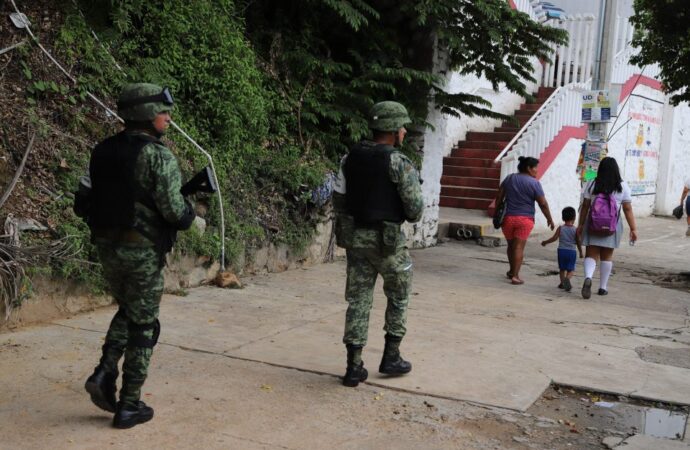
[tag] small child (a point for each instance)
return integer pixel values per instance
(567, 242)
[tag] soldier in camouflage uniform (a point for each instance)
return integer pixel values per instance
(134, 208)
(377, 189)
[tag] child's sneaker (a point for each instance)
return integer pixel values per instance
(566, 285)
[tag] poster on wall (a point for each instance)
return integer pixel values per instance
(596, 106)
(593, 152)
(643, 142)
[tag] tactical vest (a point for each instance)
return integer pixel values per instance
(371, 196)
(114, 187)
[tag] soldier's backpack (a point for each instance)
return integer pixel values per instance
(603, 215)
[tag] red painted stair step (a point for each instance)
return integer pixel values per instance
(467, 162)
(484, 183)
(479, 172)
(467, 192)
(492, 145)
(481, 153)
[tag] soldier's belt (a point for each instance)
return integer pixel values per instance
(122, 236)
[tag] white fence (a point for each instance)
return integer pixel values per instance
(570, 72)
(526, 7)
(563, 108)
(573, 62)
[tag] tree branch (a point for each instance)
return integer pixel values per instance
(18, 174)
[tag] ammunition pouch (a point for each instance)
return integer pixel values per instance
(344, 230)
(391, 237)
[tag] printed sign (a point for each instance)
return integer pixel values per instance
(593, 153)
(642, 146)
(596, 106)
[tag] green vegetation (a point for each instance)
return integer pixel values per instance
(663, 35)
(275, 90)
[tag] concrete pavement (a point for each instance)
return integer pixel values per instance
(472, 337)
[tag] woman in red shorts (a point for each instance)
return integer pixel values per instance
(520, 191)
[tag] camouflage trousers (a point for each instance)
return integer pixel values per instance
(135, 279)
(363, 267)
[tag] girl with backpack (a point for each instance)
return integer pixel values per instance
(600, 226)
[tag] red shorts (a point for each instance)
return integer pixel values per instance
(517, 227)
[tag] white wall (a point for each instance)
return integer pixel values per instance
(561, 183)
(674, 162)
(447, 131)
(625, 7)
(664, 177)
(645, 109)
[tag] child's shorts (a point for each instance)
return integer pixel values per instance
(566, 259)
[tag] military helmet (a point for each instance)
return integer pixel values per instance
(143, 101)
(388, 116)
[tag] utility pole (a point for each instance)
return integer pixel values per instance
(595, 147)
(606, 44)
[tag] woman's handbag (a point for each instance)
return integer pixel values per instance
(499, 214)
(678, 211)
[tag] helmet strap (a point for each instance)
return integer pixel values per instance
(142, 125)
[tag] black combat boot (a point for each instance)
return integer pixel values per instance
(128, 416)
(101, 385)
(355, 372)
(392, 363)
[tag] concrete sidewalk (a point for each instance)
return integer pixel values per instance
(472, 337)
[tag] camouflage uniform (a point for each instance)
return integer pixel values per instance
(132, 251)
(378, 250)
(365, 260)
(134, 271)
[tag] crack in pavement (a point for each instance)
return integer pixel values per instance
(313, 371)
(286, 330)
(635, 330)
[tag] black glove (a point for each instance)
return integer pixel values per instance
(82, 198)
(201, 182)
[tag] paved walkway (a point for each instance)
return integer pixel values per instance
(472, 336)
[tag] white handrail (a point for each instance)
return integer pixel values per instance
(526, 7)
(561, 109)
(623, 69)
(572, 62)
(526, 126)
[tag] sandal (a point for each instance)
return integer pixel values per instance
(516, 281)
(509, 275)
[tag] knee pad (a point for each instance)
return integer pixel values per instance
(137, 334)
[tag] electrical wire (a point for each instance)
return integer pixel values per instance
(611, 134)
(112, 113)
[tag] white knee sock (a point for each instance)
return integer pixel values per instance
(590, 267)
(605, 272)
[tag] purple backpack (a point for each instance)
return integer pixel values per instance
(603, 215)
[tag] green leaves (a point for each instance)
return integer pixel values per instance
(354, 13)
(663, 35)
